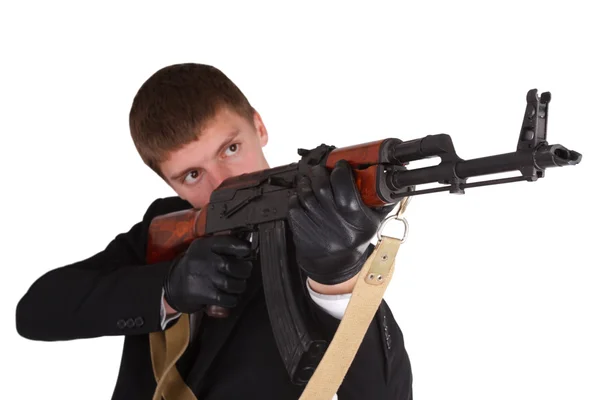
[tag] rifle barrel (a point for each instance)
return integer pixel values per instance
(529, 163)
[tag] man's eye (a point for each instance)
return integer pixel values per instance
(232, 149)
(192, 177)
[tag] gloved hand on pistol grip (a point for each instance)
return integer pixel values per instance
(330, 224)
(210, 272)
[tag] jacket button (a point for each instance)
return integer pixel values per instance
(130, 323)
(121, 324)
(139, 321)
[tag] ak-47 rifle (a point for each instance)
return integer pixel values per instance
(258, 202)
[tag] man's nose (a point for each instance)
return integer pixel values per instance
(218, 175)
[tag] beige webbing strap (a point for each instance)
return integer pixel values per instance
(373, 279)
(166, 347)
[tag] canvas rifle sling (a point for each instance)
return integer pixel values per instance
(166, 347)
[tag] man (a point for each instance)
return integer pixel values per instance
(195, 128)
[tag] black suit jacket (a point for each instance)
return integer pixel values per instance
(116, 293)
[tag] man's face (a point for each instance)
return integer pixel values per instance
(229, 145)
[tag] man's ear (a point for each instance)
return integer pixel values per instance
(261, 130)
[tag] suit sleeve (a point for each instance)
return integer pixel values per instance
(111, 293)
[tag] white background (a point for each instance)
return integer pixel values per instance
(496, 291)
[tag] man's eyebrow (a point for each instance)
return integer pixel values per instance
(224, 144)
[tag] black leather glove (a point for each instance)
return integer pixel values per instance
(209, 273)
(331, 226)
